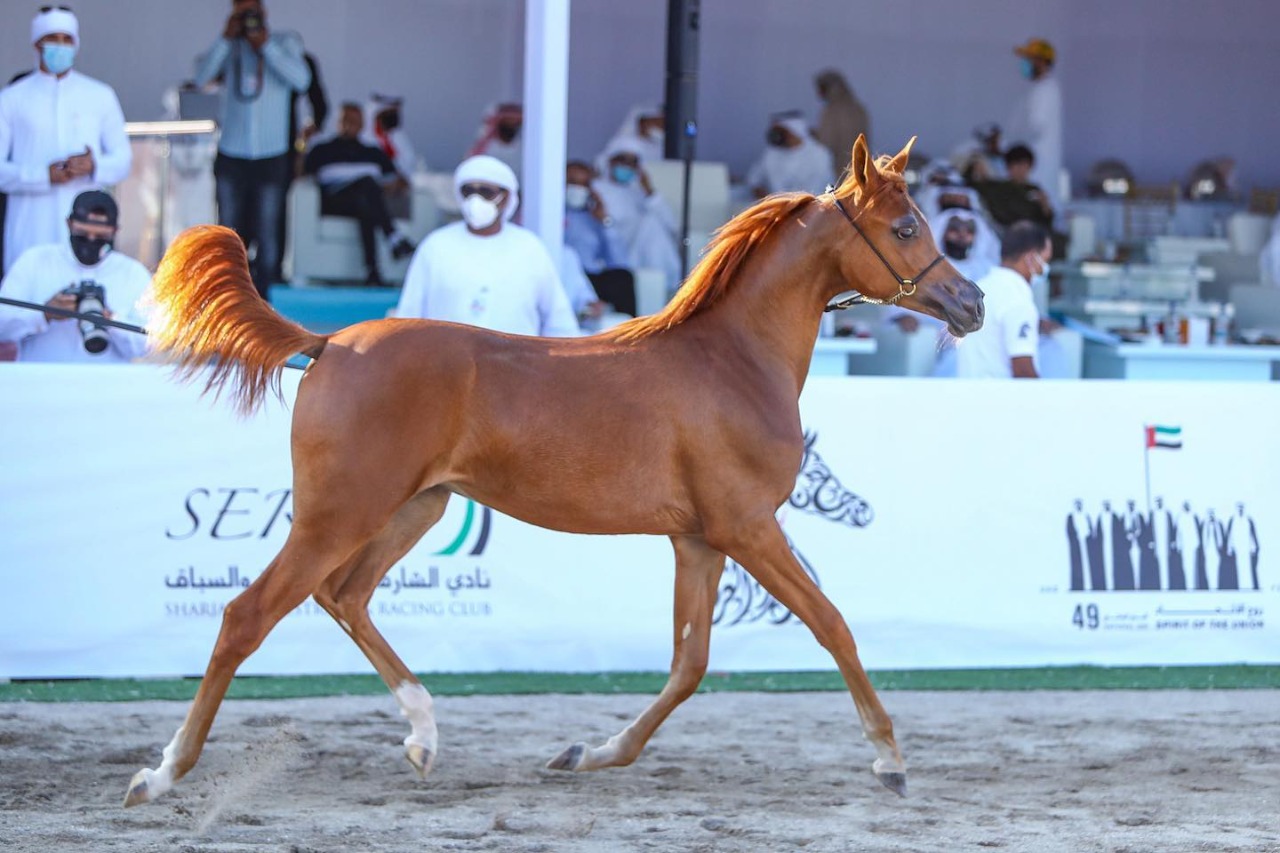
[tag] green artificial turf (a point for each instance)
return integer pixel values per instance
(456, 684)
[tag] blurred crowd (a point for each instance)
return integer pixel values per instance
(63, 141)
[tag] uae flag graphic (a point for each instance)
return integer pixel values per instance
(1168, 437)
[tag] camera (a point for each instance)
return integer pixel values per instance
(250, 21)
(91, 298)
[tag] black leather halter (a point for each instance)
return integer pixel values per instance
(906, 286)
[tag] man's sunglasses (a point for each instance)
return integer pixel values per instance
(488, 192)
(44, 10)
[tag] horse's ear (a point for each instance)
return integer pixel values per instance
(899, 162)
(863, 167)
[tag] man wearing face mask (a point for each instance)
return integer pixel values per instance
(486, 271)
(793, 161)
(260, 68)
(61, 133)
(1007, 343)
(641, 216)
(53, 275)
(500, 135)
(644, 128)
(1037, 118)
(589, 231)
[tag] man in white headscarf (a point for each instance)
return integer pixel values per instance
(793, 161)
(641, 216)
(500, 135)
(485, 270)
(61, 133)
(384, 129)
(644, 129)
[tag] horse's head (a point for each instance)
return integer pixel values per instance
(888, 255)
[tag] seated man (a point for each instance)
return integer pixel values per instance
(485, 271)
(1017, 198)
(352, 176)
(73, 276)
(793, 161)
(642, 217)
(499, 135)
(589, 231)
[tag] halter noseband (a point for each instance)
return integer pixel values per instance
(906, 286)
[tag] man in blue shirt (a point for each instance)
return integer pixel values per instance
(259, 70)
(589, 231)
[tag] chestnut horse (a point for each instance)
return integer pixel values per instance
(684, 423)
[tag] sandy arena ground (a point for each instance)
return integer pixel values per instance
(1109, 771)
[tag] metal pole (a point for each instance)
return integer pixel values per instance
(684, 20)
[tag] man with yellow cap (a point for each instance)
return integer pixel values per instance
(1037, 120)
(61, 133)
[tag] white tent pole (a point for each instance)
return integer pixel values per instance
(546, 106)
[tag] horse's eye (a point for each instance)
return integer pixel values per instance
(906, 232)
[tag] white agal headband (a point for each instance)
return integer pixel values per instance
(57, 20)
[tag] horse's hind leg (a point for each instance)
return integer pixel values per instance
(346, 593)
(309, 554)
(698, 569)
(761, 548)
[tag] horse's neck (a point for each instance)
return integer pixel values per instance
(776, 303)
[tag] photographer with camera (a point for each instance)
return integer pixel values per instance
(260, 70)
(82, 274)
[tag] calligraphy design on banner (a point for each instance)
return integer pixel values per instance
(741, 599)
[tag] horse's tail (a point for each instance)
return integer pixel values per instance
(209, 316)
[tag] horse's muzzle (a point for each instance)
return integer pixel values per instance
(962, 306)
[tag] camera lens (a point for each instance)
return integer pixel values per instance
(89, 300)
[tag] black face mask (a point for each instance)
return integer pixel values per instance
(507, 132)
(956, 251)
(89, 250)
(389, 120)
(777, 137)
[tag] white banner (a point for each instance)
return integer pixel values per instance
(939, 516)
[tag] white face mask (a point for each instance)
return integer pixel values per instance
(655, 135)
(478, 212)
(576, 196)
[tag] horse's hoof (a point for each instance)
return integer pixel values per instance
(569, 759)
(139, 791)
(896, 782)
(421, 758)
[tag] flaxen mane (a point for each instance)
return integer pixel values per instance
(710, 279)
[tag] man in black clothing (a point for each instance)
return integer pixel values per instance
(351, 176)
(1017, 198)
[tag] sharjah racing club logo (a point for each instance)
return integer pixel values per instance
(742, 600)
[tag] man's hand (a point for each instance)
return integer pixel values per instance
(596, 206)
(65, 301)
(645, 184)
(81, 165)
(907, 323)
(58, 173)
(1048, 327)
(234, 28)
(257, 38)
(398, 185)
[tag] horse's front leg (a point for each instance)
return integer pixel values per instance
(698, 570)
(762, 549)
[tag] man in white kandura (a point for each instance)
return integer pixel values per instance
(1037, 119)
(1006, 344)
(486, 271)
(792, 161)
(61, 275)
(61, 133)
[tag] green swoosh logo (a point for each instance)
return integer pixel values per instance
(453, 546)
